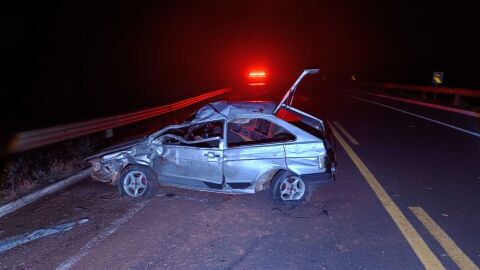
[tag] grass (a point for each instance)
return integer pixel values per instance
(26, 172)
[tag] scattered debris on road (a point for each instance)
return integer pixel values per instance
(304, 211)
(201, 198)
(81, 208)
(16, 240)
(104, 234)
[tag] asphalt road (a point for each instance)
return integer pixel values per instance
(429, 173)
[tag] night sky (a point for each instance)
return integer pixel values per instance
(65, 61)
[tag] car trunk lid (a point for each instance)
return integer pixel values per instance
(288, 97)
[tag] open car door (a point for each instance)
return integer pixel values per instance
(192, 156)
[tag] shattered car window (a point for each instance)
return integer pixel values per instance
(197, 132)
(243, 131)
(204, 131)
(315, 132)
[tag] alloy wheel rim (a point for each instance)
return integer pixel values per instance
(135, 183)
(292, 188)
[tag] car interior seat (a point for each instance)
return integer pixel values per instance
(217, 131)
(236, 127)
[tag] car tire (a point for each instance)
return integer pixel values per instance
(137, 182)
(289, 187)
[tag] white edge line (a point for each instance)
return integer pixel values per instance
(416, 115)
(107, 232)
(426, 104)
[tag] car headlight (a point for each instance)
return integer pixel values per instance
(96, 165)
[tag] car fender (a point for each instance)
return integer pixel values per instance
(263, 179)
(305, 158)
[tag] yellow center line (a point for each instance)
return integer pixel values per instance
(346, 133)
(452, 249)
(424, 253)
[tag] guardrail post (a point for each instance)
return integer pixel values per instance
(424, 95)
(457, 100)
(108, 133)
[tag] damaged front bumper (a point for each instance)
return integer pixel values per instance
(106, 171)
(107, 168)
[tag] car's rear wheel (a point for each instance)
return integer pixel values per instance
(137, 182)
(289, 187)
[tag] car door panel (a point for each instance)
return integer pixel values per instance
(246, 163)
(187, 165)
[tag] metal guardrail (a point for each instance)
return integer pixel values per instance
(32, 139)
(456, 92)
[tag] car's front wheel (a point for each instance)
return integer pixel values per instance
(137, 182)
(288, 187)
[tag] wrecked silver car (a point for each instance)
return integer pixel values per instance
(228, 147)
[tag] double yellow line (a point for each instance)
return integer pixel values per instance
(421, 249)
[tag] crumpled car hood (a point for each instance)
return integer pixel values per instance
(118, 147)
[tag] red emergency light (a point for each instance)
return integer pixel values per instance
(257, 74)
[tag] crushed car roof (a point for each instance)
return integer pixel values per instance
(229, 109)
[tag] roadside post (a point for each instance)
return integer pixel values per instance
(437, 79)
